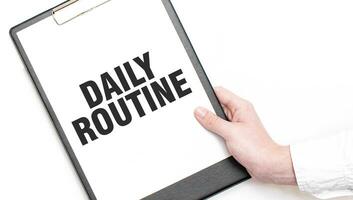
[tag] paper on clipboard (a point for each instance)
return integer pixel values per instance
(152, 151)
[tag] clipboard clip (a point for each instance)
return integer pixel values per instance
(68, 3)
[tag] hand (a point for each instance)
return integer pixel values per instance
(247, 139)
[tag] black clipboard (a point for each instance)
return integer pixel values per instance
(200, 185)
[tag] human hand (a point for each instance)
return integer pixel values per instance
(247, 140)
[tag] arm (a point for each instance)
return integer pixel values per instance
(322, 167)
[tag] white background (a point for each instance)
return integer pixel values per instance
(292, 59)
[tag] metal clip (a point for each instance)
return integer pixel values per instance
(68, 3)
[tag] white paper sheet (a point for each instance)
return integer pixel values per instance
(151, 152)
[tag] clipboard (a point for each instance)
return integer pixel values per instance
(57, 72)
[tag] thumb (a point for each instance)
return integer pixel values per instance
(212, 122)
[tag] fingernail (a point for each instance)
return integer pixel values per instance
(217, 88)
(200, 112)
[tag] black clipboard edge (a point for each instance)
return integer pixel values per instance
(219, 176)
(13, 34)
(200, 185)
(205, 183)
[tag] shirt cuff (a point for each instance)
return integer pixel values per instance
(324, 167)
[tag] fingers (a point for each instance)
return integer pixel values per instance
(228, 99)
(213, 123)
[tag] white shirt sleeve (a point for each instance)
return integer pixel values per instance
(324, 167)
